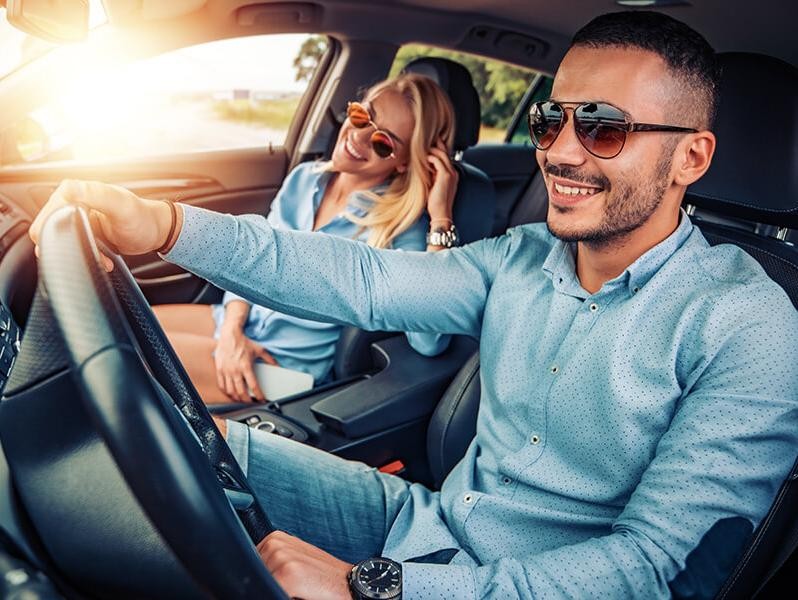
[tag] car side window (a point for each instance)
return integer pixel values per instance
(540, 89)
(501, 86)
(226, 94)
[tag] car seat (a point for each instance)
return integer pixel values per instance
(474, 202)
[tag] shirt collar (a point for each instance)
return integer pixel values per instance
(560, 264)
(645, 267)
(358, 203)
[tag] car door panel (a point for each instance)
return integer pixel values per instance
(232, 181)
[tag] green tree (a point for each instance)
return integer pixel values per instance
(499, 85)
(308, 57)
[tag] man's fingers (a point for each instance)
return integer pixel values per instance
(108, 264)
(58, 199)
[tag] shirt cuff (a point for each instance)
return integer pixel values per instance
(199, 237)
(424, 581)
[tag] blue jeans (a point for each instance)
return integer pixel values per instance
(344, 507)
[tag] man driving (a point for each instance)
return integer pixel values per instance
(639, 400)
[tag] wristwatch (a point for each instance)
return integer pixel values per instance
(441, 236)
(376, 578)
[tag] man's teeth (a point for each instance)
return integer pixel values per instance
(575, 191)
(351, 149)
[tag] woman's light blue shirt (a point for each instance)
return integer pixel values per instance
(300, 343)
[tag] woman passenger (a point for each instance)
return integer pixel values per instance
(388, 181)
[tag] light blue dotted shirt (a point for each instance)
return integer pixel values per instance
(628, 441)
(304, 344)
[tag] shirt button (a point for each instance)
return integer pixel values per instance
(555, 369)
(468, 499)
(635, 289)
(506, 480)
(535, 439)
(593, 307)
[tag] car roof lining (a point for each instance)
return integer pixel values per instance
(728, 24)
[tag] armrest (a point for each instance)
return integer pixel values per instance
(407, 387)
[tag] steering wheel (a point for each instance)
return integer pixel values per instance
(131, 383)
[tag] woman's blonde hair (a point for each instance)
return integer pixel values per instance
(405, 199)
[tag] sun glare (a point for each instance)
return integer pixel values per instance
(182, 101)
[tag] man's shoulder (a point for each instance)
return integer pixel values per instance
(730, 266)
(732, 279)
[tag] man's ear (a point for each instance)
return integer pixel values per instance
(693, 157)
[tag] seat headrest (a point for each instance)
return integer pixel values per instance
(754, 173)
(456, 81)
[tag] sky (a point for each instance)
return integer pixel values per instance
(260, 62)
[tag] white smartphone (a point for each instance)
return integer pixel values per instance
(278, 382)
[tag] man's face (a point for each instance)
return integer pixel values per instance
(596, 200)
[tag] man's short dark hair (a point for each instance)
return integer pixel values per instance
(686, 52)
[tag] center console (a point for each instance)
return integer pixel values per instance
(374, 417)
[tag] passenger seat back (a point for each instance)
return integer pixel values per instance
(474, 202)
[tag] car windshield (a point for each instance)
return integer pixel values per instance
(17, 48)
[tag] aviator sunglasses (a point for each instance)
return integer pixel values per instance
(601, 128)
(381, 142)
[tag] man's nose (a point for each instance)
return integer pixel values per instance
(567, 149)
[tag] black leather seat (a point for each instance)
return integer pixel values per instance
(749, 197)
(474, 203)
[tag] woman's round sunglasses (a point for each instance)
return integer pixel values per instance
(601, 128)
(381, 142)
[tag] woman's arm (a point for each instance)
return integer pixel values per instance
(440, 201)
(235, 354)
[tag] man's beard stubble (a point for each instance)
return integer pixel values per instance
(626, 207)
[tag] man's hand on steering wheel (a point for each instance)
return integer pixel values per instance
(134, 225)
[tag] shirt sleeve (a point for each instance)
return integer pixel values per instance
(711, 481)
(327, 278)
(426, 344)
(293, 181)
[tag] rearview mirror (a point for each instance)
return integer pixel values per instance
(53, 20)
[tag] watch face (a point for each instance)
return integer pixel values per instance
(378, 578)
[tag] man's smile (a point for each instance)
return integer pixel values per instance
(565, 192)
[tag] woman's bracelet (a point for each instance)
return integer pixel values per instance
(167, 245)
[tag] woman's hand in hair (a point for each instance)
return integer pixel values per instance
(440, 199)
